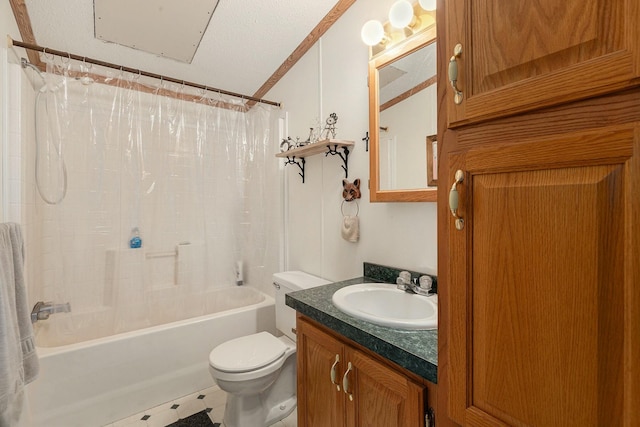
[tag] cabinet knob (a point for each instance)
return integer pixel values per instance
(453, 74)
(454, 199)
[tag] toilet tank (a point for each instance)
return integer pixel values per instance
(284, 283)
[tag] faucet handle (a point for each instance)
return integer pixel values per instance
(425, 282)
(404, 280)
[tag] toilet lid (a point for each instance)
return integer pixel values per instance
(247, 353)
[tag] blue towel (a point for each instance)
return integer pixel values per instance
(18, 359)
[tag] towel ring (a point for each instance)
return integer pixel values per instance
(342, 208)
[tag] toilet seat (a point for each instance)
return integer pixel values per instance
(247, 354)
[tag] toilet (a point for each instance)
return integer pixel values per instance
(258, 371)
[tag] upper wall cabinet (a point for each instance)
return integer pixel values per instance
(540, 53)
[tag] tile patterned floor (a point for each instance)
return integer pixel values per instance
(212, 399)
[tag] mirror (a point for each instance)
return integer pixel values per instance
(403, 121)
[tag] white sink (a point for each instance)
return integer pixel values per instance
(384, 304)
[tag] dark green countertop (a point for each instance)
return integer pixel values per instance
(416, 351)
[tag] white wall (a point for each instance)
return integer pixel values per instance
(7, 27)
(332, 77)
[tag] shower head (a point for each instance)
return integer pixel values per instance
(24, 63)
(85, 80)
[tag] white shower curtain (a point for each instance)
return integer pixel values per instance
(196, 178)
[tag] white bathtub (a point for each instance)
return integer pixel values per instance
(100, 381)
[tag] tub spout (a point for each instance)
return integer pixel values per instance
(42, 310)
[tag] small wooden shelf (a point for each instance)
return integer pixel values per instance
(327, 146)
(315, 148)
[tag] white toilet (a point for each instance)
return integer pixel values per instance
(259, 371)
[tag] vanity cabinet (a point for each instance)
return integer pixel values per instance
(521, 55)
(375, 393)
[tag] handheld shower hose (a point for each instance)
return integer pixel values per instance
(43, 89)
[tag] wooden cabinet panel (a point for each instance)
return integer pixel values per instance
(541, 278)
(520, 55)
(320, 403)
(382, 396)
(376, 394)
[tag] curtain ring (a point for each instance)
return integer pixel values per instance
(87, 67)
(50, 57)
(44, 52)
(203, 91)
(342, 208)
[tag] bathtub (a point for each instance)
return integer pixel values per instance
(97, 382)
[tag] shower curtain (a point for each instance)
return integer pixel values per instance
(194, 179)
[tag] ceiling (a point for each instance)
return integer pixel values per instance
(242, 43)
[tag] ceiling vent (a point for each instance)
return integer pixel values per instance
(168, 28)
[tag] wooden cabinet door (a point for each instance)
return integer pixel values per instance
(320, 402)
(543, 281)
(378, 396)
(519, 55)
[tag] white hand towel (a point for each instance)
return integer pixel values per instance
(350, 229)
(18, 359)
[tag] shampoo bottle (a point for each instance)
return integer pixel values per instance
(135, 241)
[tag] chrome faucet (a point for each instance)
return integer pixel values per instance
(420, 286)
(42, 310)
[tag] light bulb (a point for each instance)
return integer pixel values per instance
(400, 14)
(372, 32)
(428, 5)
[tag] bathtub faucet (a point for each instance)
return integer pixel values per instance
(42, 310)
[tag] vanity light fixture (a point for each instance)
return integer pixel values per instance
(373, 33)
(428, 5)
(405, 19)
(401, 14)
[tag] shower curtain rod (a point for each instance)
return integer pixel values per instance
(46, 50)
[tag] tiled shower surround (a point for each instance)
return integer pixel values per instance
(189, 196)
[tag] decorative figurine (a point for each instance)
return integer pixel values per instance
(315, 134)
(330, 126)
(351, 191)
(287, 144)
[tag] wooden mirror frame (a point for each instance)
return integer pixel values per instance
(375, 194)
